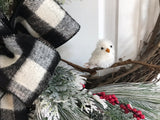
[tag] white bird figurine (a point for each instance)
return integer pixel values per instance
(103, 56)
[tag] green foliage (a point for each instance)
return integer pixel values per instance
(149, 109)
(64, 98)
(5, 6)
(144, 97)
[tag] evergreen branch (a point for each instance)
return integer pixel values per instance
(6, 6)
(144, 97)
(63, 98)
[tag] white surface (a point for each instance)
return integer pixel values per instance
(125, 22)
(78, 50)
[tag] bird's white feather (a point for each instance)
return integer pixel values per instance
(101, 58)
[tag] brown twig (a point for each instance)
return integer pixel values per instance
(129, 61)
(82, 69)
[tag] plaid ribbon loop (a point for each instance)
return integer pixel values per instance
(45, 19)
(28, 57)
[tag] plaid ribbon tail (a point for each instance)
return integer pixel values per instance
(11, 108)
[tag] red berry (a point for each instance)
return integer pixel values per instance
(83, 85)
(134, 115)
(134, 110)
(139, 112)
(138, 118)
(117, 102)
(103, 94)
(109, 98)
(101, 97)
(129, 107)
(122, 106)
(106, 99)
(142, 116)
(126, 111)
(112, 100)
(106, 95)
(113, 96)
(113, 103)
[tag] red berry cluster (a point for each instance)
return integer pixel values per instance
(127, 108)
(136, 113)
(83, 85)
(110, 98)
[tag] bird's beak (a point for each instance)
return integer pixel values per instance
(108, 50)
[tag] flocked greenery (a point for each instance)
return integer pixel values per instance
(5, 6)
(64, 99)
(145, 97)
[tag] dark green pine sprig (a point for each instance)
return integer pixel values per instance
(6, 6)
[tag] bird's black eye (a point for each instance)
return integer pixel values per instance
(102, 48)
(110, 46)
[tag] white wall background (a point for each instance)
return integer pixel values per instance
(78, 49)
(125, 22)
